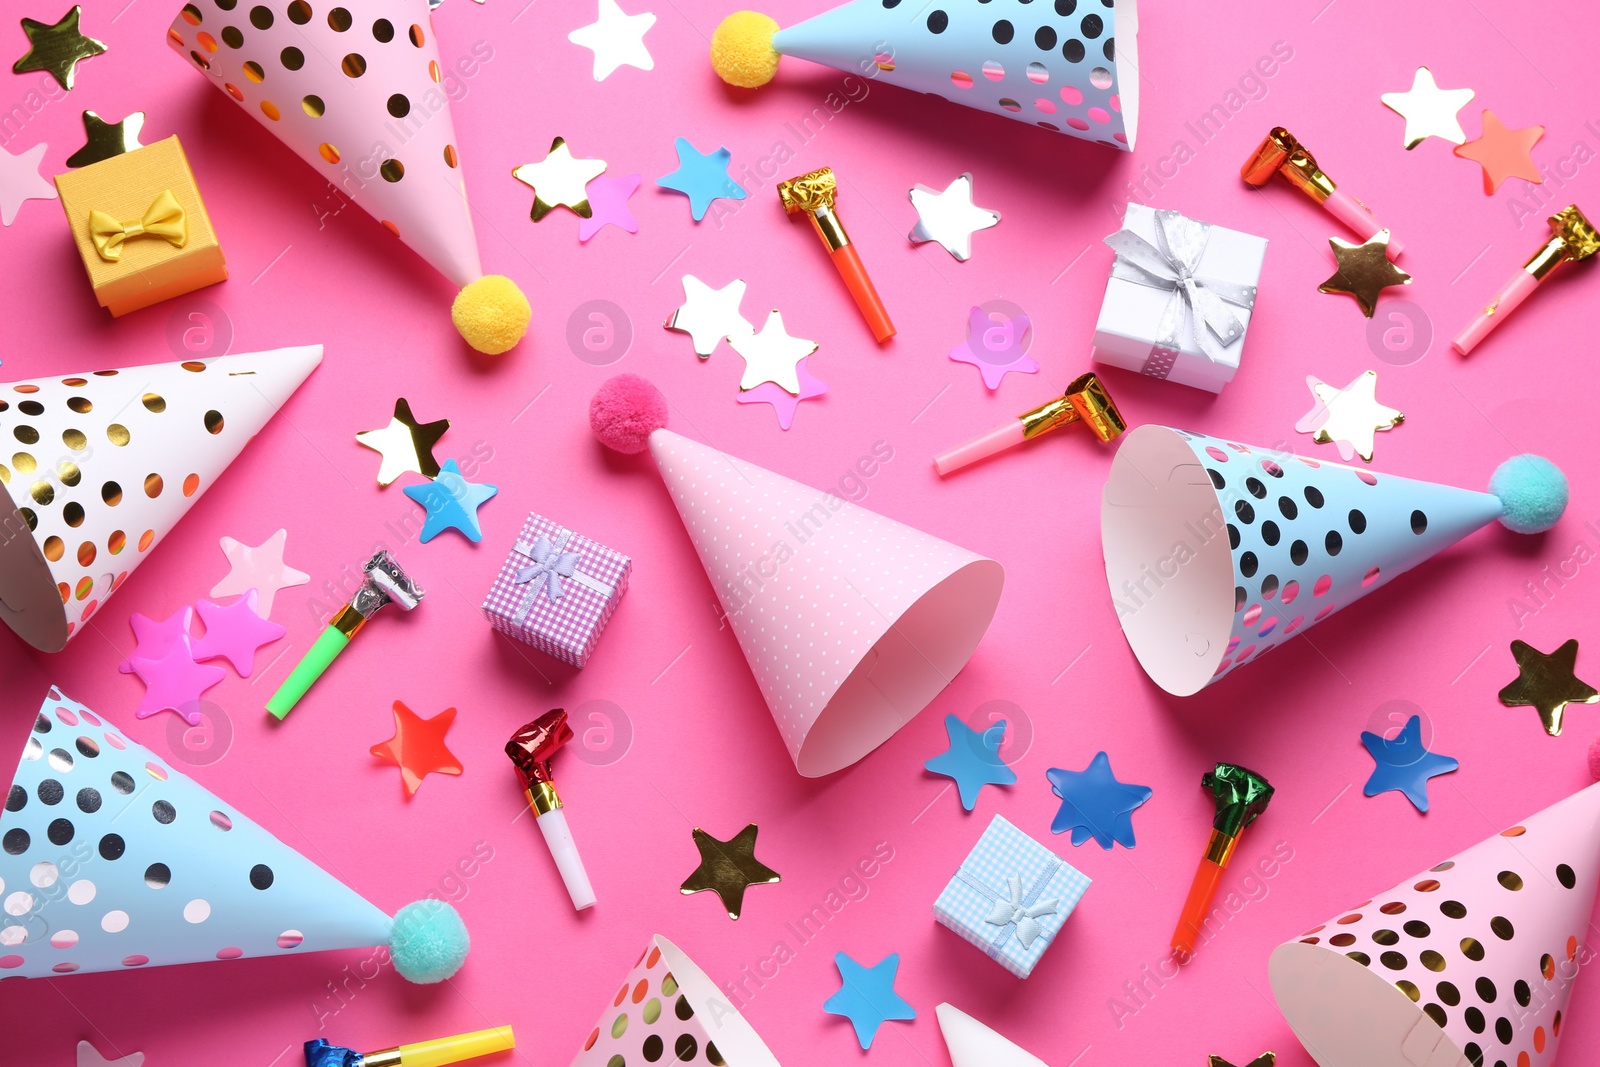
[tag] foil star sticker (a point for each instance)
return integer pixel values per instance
(1429, 111)
(57, 48)
(973, 759)
(103, 139)
(997, 344)
(452, 503)
(727, 867)
(1547, 683)
(1403, 764)
(261, 568)
(866, 996)
(772, 355)
(785, 404)
(1364, 270)
(418, 747)
(702, 177)
(1348, 418)
(617, 39)
(608, 205)
(950, 217)
(20, 180)
(1503, 153)
(708, 315)
(559, 179)
(1094, 804)
(235, 632)
(153, 637)
(1266, 1059)
(174, 682)
(405, 444)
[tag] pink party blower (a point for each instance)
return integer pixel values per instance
(1572, 237)
(1280, 153)
(1085, 400)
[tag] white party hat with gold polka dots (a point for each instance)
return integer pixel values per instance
(1470, 963)
(356, 88)
(112, 860)
(99, 466)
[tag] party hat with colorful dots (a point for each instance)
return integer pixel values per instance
(111, 860)
(1470, 963)
(1217, 552)
(355, 89)
(1067, 65)
(100, 466)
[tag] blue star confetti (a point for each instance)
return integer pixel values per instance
(973, 759)
(1094, 804)
(1404, 764)
(452, 503)
(867, 997)
(702, 178)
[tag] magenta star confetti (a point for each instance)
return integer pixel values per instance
(155, 638)
(783, 402)
(608, 205)
(235, 632)
(175, 682)
(997, 344)
(260, 568)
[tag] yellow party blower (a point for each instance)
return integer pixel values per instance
(435, 1053)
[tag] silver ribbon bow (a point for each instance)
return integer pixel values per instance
(550, 565)
(1171, 263)
(1017, 909)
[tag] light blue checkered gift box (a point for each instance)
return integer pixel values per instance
(1010, 896)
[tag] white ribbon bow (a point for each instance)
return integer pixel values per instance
(1007, 912)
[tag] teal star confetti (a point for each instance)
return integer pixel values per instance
(867, 997)
(1404, 764)
(452, 503)
(973, 759)
(702, 178)
(1094, 804)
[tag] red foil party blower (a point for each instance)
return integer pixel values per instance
(530, 749)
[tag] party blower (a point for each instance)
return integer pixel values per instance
(1241, 795)
(1280, 153)
(385, 583)
(1572, 239)
(530, 749)
(815, 194)
(1085, 401)
(436, 1053)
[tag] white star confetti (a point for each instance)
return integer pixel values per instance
(708, 315)
(617, 40)
(950, 217)
(772, 355)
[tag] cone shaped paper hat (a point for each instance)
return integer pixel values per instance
(113, 860)
(105, 464)
(851, 622)
(1469, 963)
(973, 1044)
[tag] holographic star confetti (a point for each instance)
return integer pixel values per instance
(710, 315)
(1403, 764)
(608, 205)
(1094, 804)
(418, 747)
(260, 568)
(452, 503)
(997, 344)
(1364, 270)
(1547, 683)
(1503, 152)
(973, 759)
(617, 39)
(1429, 111)
(727, 868)
(20, 180)
(785, 404)
(89, 1056)
(404, 444)
(174, 682)
(1348, 418)
(866, 996)
(234, 632)
(103, 140)
(771, 355)
(559, 179)
(950, 217)
(57, 48)
(702, 178)
(153, 638)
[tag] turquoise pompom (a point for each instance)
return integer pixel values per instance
(1533, 492)
(428, 942)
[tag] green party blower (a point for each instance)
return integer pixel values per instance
(384, 583)
(1240, 795)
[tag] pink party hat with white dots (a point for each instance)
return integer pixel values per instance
(1468, 964)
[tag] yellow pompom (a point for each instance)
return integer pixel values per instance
(491, 314)
(741, 49)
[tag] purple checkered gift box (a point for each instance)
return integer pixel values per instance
(557, 590)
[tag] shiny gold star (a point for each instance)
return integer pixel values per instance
(103, 139)
(727, 867)
(1547, 683)
(1364, 270)
(1348, 417)
(559, 179)
(1266, 1059)
(57, 49)
(405, 444)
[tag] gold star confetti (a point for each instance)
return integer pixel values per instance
(103, 139)
(1348, 417)
(1364, 270)
(405, 444)
(1429, 111)
(57, 49)
(1547, 683)
(727, 867)
(559, 179)
(1266, 1059)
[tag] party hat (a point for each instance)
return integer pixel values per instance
(112, 860)
(1470, 962)
(1217, 552)
(972, 1044)
(107, 461)
(851, 622)
(668, 1011)
(1068, 67)
(355, 91)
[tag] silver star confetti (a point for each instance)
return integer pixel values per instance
(772, 355)
(708, 315)
(950, 217)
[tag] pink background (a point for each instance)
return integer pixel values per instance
(703, 751)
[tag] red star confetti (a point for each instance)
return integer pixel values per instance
(418, 747)
(1503, 153)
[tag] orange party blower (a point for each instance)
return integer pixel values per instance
(1241, 795)
(814, 194)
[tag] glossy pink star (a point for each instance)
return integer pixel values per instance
(997, 344)
(782, 401)
(155, 638)
(608, 204)
(174, 681)
(235, 632)
(260, 568)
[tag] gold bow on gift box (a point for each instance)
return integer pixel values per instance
(164, 218)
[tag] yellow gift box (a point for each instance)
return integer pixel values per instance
(141, 227)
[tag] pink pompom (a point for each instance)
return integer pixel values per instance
(1594, 759)
(625, 411)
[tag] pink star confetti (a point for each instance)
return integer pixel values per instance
(997, 344)
(608, 205)
(783, 402)
(174, 681)
(260, 568)
(89, 1056)
(235, 632)
(155, 638)
(20, 180)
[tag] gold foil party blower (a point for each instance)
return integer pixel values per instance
(814, 195)
(1085, 401)
(1572, 240)
(1281, 154)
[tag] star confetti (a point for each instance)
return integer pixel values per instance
(973, 759)
(58, 48)
(154, 638)
(1429, 111)
(997, 345)
(1503, 153)
(950, 217)
(20, 180)
(405, 444)
(617, 40)
(702, 178)
(785, 404)
(1364, 270)
(103, 140)
(772, 355)
(1403, 764)
(608, 205)
(1348, 418)
(559, 179)
(174, 681)
(1547, 683)
(1094, 804)
(709, 315)
(452, 503)
(727, 867)
(866, 996)
(260, 568)
(89, 1056)
(1266, 1059)
(418, 747)
(235, 632)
